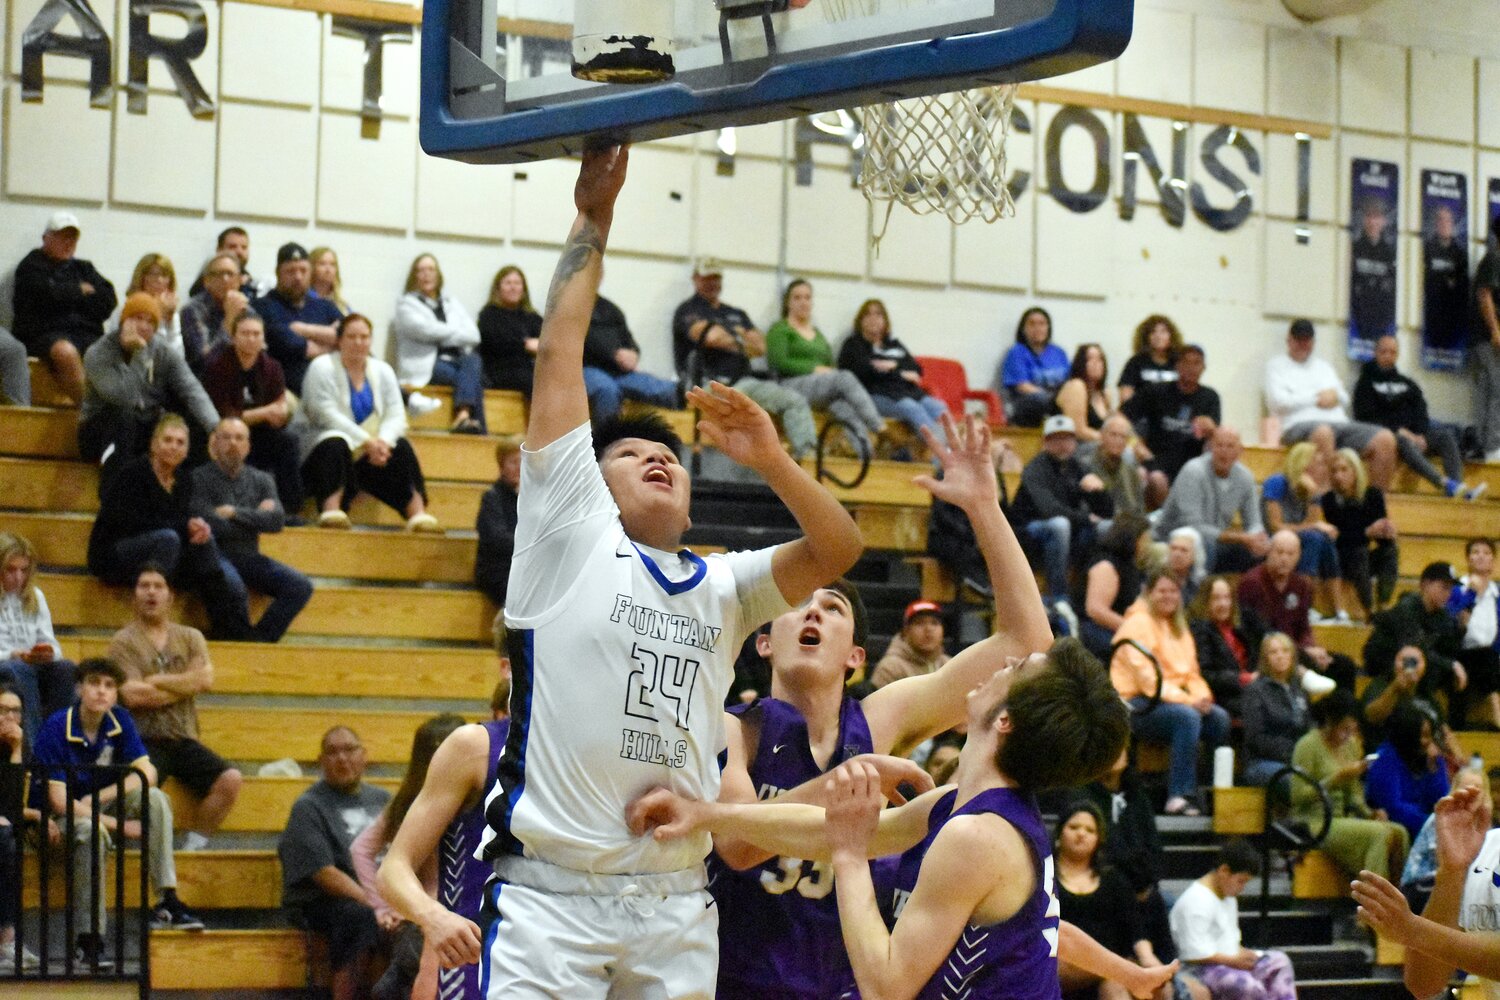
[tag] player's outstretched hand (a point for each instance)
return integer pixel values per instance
(600, 179)
(896, 773)
(663, 814)
(853, 810)
(454, 939)
(736, 425)
(1463, 820)
(968, 472)
(1146, 982)
(1382, 907)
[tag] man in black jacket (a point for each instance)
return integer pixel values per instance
(610, 372)
(1421, 620)
(1384, 396)
(1059, 504)
(497, 523)
(61, 303)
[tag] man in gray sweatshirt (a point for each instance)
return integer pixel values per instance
(239, 502)
(1207, 494)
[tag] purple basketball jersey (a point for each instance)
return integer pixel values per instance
(1015, 959)
(779, 921)
(461, 877)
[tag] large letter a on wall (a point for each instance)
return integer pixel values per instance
(90, 43)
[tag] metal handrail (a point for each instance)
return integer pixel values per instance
(1270, 831)
(834, 424)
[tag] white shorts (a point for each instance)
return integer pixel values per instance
(620, 937)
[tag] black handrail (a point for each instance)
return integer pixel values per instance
(1155, 697)
(834, 424)
(1294, 839)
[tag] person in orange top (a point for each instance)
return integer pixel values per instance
(1186, 712)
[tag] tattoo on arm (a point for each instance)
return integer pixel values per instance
(575, 256)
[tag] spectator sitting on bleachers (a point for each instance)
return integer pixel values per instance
(496, 523)
(1409, 684)
(318, 885)
(1206, 926)
(436, 341)
(1032, 371)
(1113, 581)
(145, 517)
(1475, 604)
(1359, 837)
(155, 275)
(713, 340)
(326, 279)
(97, 731)
(1115, 464)
(1273, 708)
(510, 332)
(1408, 775)
(300, 323)
(1156, 346)
(60, 303)
(357, 434)
(799, 357)
(1224, 649)
(888, 371)
(1132, 845)
(1085, 395)
(1420, 872)
(131, 380)
(1207, 494)
(239, 503)
(15, 816)
(1307, 396)
(1186, 711)
(1176, 421)
(1384, 396)
(166, 667)
(1274, 597)
(245, 382)
(15, 373)
(236, 242)
(207, 319)
(611, 366)
(1059, 505)
(917, 649)
(1097, 899)
(1420, 619)
(30, 658)
(1366, 540)
(1181, 556)
(1290, 501)
(414, 969)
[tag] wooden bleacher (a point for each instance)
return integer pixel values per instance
(262, 807)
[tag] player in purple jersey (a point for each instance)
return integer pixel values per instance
(778, 923)
(447, 817)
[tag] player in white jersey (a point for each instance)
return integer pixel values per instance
(1457, 929)
(622, 646)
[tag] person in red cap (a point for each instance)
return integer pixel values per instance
(918, 649)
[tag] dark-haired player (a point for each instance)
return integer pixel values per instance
(622, 646)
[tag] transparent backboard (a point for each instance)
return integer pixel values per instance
(490, 97)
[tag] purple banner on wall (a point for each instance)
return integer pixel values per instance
(1445, 269)
(1373, 222)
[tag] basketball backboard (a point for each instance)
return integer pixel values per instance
(489, 98)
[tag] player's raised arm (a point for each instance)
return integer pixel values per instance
(559, 402)
(908, 711)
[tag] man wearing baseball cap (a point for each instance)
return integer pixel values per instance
(60, 303)
(918, 649)
(300, 324)
(1060, 504)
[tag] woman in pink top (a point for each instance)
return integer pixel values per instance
(1186, 713)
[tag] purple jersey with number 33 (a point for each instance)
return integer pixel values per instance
(1015, 959)
(779, 921)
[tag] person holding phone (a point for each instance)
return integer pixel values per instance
(30, 658)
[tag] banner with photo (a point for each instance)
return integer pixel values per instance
(1445, 269)
(1373, 222)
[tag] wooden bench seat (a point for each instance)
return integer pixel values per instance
(263, 804)
(261, 959)
(207, 880)
(246, 732)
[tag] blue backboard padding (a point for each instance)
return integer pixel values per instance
(1077, 34)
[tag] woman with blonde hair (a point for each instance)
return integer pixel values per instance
(510, 331)
(326, 279)
(1153, 359)
(155, 275)
(30, 657)
(435, 343)
(1273, 709)
(1366, 535)
(1185, 712)
(1292, 499)
(888, 371)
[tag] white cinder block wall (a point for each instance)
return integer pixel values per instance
(1412, 82)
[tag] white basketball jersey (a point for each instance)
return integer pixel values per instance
(619, 674)
(1479, 909)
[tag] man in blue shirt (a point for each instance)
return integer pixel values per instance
(97, 732)
(299, 322)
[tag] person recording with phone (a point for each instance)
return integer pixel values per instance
(1410, 684)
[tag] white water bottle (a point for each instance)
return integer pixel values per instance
(1224, 767)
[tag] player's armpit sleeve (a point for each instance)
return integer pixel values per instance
(760, 597)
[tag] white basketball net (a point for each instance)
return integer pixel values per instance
(944, 153)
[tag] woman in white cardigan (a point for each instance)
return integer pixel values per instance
(435, 344)
(358, 433)
(30, 657)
